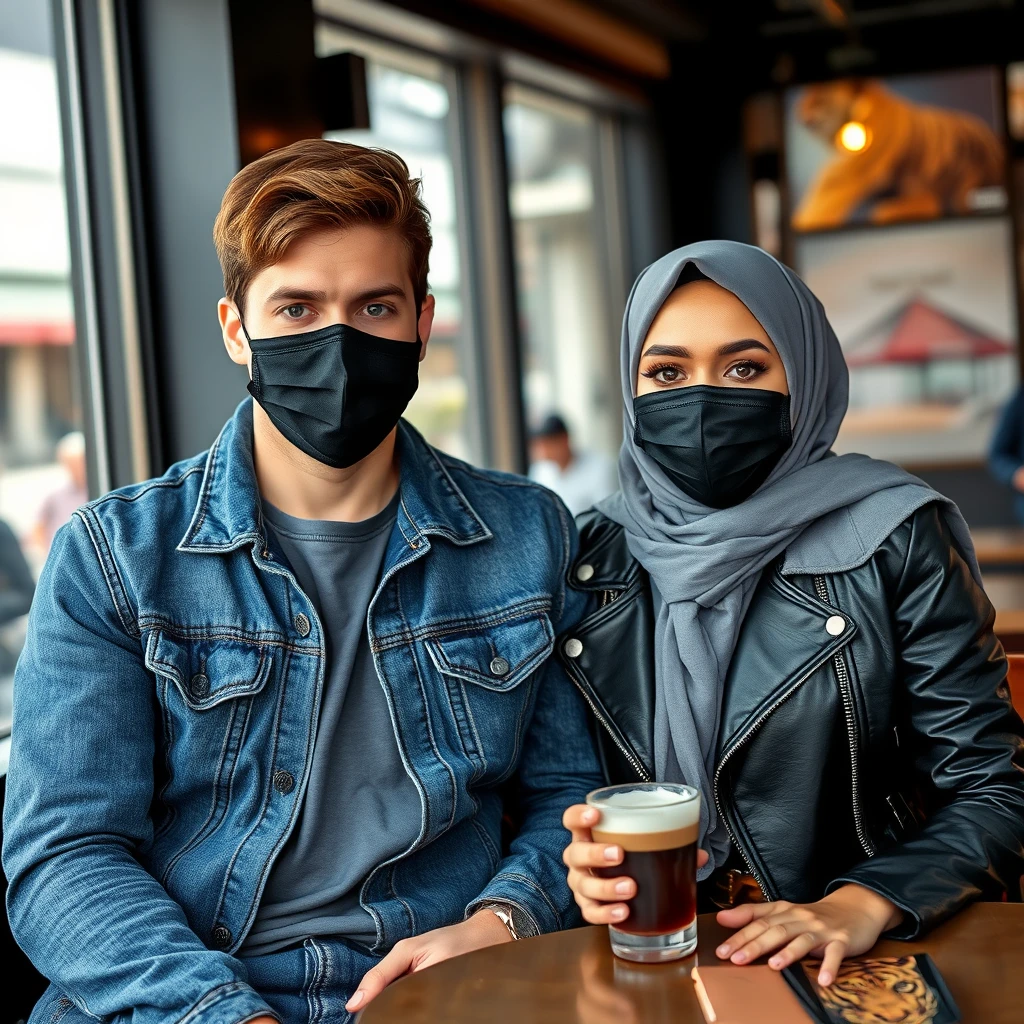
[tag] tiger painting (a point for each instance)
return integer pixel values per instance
(883, 991)
(919, 162)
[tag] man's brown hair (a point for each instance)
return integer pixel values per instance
(308, 186)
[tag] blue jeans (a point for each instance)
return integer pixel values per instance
(311, 983)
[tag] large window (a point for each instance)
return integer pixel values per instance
(560, 238)
(412, 114)
(42, 457)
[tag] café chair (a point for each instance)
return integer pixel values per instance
(1015, 677)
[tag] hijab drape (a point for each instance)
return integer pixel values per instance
(828, 513)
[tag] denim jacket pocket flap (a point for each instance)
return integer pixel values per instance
(208, 671)
(498, 656)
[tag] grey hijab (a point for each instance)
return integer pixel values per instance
(827, 513)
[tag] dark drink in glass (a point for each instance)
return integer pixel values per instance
(656, 824)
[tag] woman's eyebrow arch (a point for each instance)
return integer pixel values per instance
(743, 345)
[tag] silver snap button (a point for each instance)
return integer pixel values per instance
(835, 625)
(199, 685)
(573, 648)
(221, 937)
(500, 666)
(584, 572)
(283, 781)
(302, 624)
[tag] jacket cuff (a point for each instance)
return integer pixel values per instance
(911, 927)
(233, 1003)
(530, 906)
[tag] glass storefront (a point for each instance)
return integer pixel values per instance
(42, 449)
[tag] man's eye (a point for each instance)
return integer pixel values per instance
(296, 312)
(376, 310)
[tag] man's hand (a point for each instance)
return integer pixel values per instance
(263, 1020)
(847, 922)
(484, 928)
(1018, 479)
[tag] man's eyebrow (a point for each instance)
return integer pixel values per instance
(290, 294)
(668, 350)
(380, 291)
(743, 345)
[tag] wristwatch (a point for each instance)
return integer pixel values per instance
(503, 912)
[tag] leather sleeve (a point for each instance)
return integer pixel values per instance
(959, 730)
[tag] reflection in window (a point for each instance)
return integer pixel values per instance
(570, 366)
(42, 452)
(410, 108)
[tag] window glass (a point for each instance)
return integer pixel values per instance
(569, 355)
(411, 113)
(42, 451)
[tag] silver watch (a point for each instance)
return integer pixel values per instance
(503, 912)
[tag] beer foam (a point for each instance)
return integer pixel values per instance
(635, 810)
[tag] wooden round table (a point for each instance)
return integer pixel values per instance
(573, 977)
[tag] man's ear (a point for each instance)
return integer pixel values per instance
(424, 323)
(235, 340)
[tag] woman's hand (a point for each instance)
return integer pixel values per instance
(600, 899)
(845, 923)
(484, 928)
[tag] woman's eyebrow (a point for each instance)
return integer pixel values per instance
(668, 350)
(743, 345)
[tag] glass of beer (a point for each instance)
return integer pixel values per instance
(656, 824)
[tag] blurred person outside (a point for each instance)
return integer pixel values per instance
(273, 623)
(16, 589)
(579, 478)
(57, 507)
(1006, 453)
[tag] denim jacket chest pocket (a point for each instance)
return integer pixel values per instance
(488, 671)
(209, 670)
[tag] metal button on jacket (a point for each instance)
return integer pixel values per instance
(500, 666)
(221, 937)
(573, 648)
(199, 685)
(835, 625)
(584, 572)
(283, 781)
(302, 624)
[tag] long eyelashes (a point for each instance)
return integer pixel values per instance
(752, 364)
(653, 371)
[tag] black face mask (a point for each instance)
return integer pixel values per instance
(336, 393)
(716, 444)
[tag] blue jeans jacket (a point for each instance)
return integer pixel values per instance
(166, 706)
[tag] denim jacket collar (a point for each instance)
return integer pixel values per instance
(227, 513)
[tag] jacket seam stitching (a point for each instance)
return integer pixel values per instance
(385, 641)
(110, 572)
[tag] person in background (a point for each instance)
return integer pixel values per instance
(59, 504)
(579, 478)
(16, 589)
(1006, 453)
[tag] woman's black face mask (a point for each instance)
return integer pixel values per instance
(717, 444)
(335, 393)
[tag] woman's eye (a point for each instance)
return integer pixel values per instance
(296, 312)
(665, 374)
(746, 370)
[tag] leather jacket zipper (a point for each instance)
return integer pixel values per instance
(851, 730)
(626, 753)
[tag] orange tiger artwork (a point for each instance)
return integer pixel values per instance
(884, 991)
(919, 162)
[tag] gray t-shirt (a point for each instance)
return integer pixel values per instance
(360, 807)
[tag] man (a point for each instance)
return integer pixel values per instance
(1006, 451)
(580, 479)
(268, 700)
(73, 491)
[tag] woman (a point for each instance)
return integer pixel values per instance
(802, 636)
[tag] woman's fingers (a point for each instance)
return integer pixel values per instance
(582, 855)
(796, 950)
(579, 819)
(834, 953)
(595, 912)
(608, 890)
(738, 917)
(761, 937)
(702, 858)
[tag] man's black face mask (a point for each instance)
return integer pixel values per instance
(336, 393)
(717, 444)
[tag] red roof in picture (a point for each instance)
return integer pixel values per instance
(919, 332)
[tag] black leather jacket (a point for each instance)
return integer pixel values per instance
(866, 735)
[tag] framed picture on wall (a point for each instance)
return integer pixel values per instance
(887, 151)
(926, 315)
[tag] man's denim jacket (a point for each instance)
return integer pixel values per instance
(166, 706)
